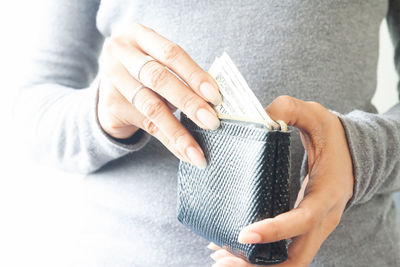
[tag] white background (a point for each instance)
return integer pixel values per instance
(40, 205)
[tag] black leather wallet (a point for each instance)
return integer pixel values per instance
(246, 180)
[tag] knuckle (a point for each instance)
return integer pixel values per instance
(152, 108)
(112, 43)
(111, 106)
(119, 43)
(189, 103)
(284, 100)
(157, 75)
(178, 136)
(170, 52)
(195, 77)
(287, 103)
(167, 142)
(149, 127)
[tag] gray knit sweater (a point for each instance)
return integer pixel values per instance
(325, 51)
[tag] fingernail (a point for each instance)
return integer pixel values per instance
(211, 93)
(249, 237)
(208, 119)
(196, 157)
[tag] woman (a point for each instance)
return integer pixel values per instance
(121, 130)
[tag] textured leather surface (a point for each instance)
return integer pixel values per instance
(246, 180)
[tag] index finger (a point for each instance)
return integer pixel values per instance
(175, 58)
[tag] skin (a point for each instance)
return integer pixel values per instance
(328, 186)
(153, 106)
(324, 193)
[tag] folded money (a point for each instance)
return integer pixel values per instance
(238, 100)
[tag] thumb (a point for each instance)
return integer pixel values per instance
(295, 112)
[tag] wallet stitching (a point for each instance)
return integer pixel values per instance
(253, 250)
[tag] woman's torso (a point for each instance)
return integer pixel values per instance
(325, 51)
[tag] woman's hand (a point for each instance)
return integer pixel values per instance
(324, 194)
(122, 110)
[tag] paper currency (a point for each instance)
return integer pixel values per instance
(238, 100)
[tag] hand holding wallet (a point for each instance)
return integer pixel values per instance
(246, 179)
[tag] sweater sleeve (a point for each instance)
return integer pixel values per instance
(56, 100)
(374, 139)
